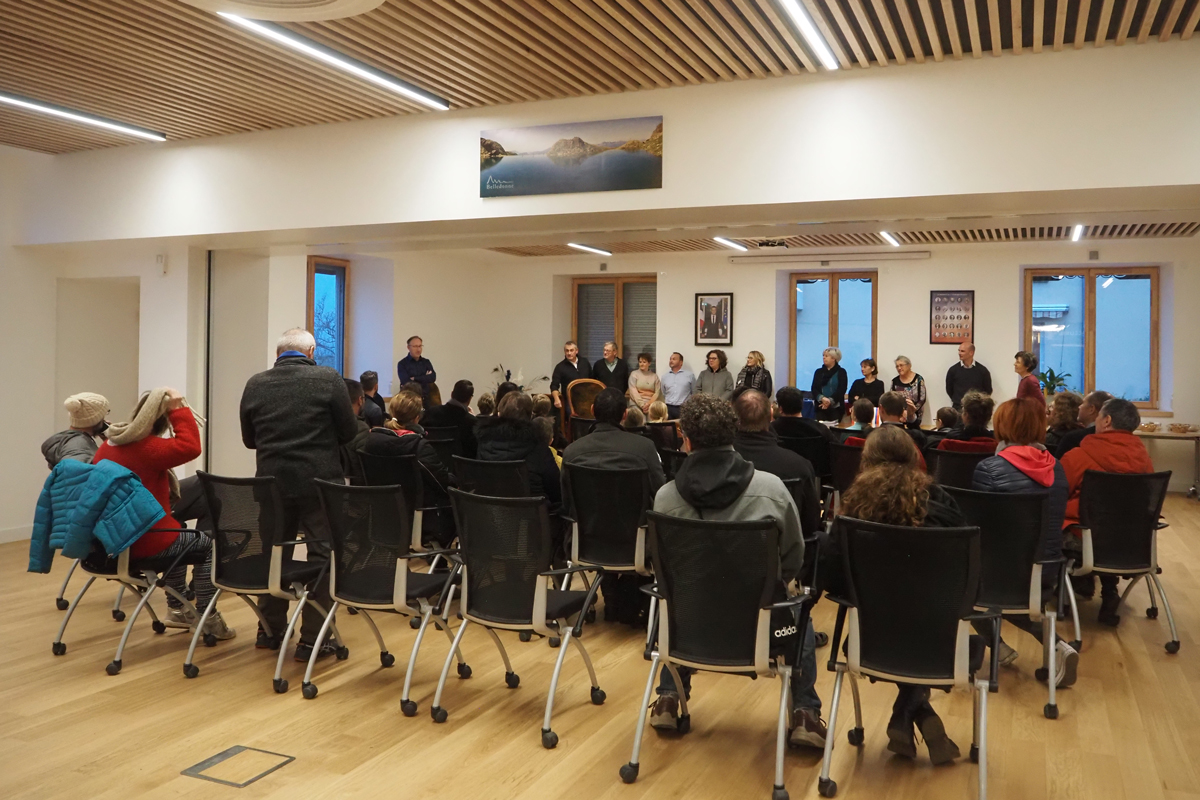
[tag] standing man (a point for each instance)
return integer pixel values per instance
(374, 409)
(296, 416)
(612, 371)
(415, 368)
(572, 368)
(966, 375)
(678, 384)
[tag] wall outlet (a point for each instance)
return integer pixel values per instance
(603, 266)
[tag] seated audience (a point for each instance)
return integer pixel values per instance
(657, 412)
(433, 395)
(545, 431)
(634, 422)
(1029, 387)
(716, 483)
(1112, 448)
(755, 375)
(1088, 411)
(862, 414)
(511, 436)
(543, 406)
(351, 464)
(456, 413)
(829, 386)
(505, 388)
(374, 409)
(1022, 464)
(611, 370)
(893, 407)
(792, 424)
(892, 489)
(486, 405)
(715, 379)
(644, 386)
(947, 420)
(868, 386)
(1064, 418)
(977, 410)
(758, 444)
(86, 412)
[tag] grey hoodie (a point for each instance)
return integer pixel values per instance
(69, 444)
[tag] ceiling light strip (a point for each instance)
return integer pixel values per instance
(587, 249)
(281, 35)
(809, 31)
(732, 245)
(892, 240)
(79, 116)
(1077, 234)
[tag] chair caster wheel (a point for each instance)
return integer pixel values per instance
(352, 611)
(342, 653)
(629, 772)
(158, 627)
(1050, 711)
(280, 685)
(59, 648)
(414, 623)
(525, 636)
(62, 604)
(1076, 645)
(820, 638)
(408, 708)
(387, 659)
(113, 668)
(549, 739)
(826, 787)
(210, 640)
(779, 793)
(589, 617)
(1041, 673)
(438, 714)
(512, 680)
(974, 754)
(598, 696)
(1173, 647)
(855, 736)
(309, 690)
(1152, 613)
(555, 641)
(190, 670)
(464, 671)
(684, 725)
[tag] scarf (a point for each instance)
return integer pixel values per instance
(141, 426)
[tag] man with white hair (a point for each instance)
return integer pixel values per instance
(296, 416)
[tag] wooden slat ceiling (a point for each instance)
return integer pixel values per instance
(1051, 233)
(169, 67)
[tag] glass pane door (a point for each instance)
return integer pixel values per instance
(1059, 319)
(812, 327)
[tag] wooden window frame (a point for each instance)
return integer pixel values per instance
(834, 300)
(313, 263)
(1089, 275)
(618, 282)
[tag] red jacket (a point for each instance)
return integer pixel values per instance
(150, 459)
(1111, 451)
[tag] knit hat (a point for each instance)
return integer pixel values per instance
(86, 409)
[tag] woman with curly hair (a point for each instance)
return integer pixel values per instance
(1064, 418)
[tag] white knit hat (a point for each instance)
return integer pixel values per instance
(86, 409)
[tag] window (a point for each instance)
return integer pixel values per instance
(833, 309)
(1096, 327)
(622, 310)
(327, 309)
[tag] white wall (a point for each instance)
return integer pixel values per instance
(370, 311)
(96, 343)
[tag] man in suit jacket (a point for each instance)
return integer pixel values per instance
(612, 370)
(713, 327)
(456, 413)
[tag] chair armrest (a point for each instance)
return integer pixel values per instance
(562, 516)
(791, 602)
(652, 590)
(835, 641)
(587, 603)
(1045, 561)
(569, 571)
(1158, 526)
(982, 615)
(291, 543)
(993, 646)
(162, 578)
(444, 594)
(428, 553)
(841, 601)
(432, 508)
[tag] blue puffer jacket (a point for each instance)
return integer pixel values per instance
(81, 502)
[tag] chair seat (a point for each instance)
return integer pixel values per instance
(561, 604)
(425, 584)
(300, 571)
(160, 563)
(976, 645)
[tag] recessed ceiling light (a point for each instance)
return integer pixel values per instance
(283, 36)
(811, 35)
(79, 116)
(587, 249)
(732, 245)
(890, 239)
(1077, 234)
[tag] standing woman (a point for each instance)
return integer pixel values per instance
(829, 386)
(912, 386)
(1030, 388)
(644, 385)
(868, 386)
(715, 380)
(755, 375)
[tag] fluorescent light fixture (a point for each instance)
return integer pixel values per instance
(1077, 234)
(1106, 284)
(283, 36)
(79, 116)
(811, 35)
(587, 249)
(892, 240)
(732, 245)
(1050, 328)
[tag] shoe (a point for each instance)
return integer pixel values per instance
(1066, 664)
(664, 716)
(942, 749)
(1084, 586)
(184, 615)
(1008, 655)
(1108, 610)
(265, 642)
(900, 737)
(809, 730)
(215, 626)
(304, 650)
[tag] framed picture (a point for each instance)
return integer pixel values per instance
(951, 317)
(714, 318)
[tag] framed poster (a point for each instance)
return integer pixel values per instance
(714, 318)
(951, 317)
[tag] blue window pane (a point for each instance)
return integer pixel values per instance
(1123, 335)
(812, 327)
(328, 316)
(1059, 318)
(854, 322)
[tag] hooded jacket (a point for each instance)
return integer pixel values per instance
(1111, 451)
(718, 484)
(1029, 468)
(503, 439)
(70, 443)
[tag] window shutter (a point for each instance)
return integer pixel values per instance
(639, 321)
(595, 318)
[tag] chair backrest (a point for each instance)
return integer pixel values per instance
(582, 393)
(956, 469)
(1011, 526)
(492, 478)
(671, 461)
(370, 530)
(979, 445)
(814, 448)
(450, 432)
(446, 449)
(609, 506)
(402, 471)
(581, 426)
(910, 588)
(247, 520)
(715, 577)
(505, 544)
(665, 435)
(844, 460)
(1122, 511)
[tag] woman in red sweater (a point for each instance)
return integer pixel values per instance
(1030, 388)
(142, 447)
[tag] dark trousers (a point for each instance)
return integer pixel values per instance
(302, 512)
(832, 414)
(673, 411)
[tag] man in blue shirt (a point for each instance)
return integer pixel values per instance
(415, 368)
(677, 385)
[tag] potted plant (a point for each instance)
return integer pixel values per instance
(1052, 382)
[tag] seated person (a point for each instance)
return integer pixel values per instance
(373, 410)
(792, 424)
(545, 431)
(86, 412)
(351, 464)
(456, 413)
(1064, 418)
(511, 436)
(892, 489)
(1088, 411)
(486, 405)
(716, 483)
(758, 444)
(543, 406)
(634, 421)
(608, 446)
(946, 422)
(862, 412)
(1022, 464)
(658, 412)
(892, 408)
(1112, 448)
(976, 415)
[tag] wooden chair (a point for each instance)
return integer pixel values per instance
(580, 396)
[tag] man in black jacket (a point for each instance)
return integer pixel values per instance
(296, 416)
(792, 424)
(612, 370)
(456, 413)
(1087, 416)
(374, 411)
(351, 464)
(573, 367)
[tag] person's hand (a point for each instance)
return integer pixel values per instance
(558, 402)
(174, 399)
(911, 405)
(825, 401)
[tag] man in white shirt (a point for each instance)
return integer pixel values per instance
(678, 384)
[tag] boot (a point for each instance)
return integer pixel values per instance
(942, 749)
(901, 739)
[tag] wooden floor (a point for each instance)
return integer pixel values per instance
(1130, 728)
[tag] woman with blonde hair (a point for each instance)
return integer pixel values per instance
(657, 412)
(755, 375)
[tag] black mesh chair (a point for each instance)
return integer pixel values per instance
(665, 435)
(449, 432)
(407, 473)
(369, 571)
(813, 448)
(608, 517)
(492, 478)
(248, 559)
(671, 461)
(727, 630)
(954, 469)
(1119, 517)
(844, 460)
(1011, 527)
(911, 598)
(506, 548)
(446, 450)
(580, 427)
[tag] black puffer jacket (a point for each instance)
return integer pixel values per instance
(503, 439)
(995, 474)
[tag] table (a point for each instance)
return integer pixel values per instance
(1192, 436)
